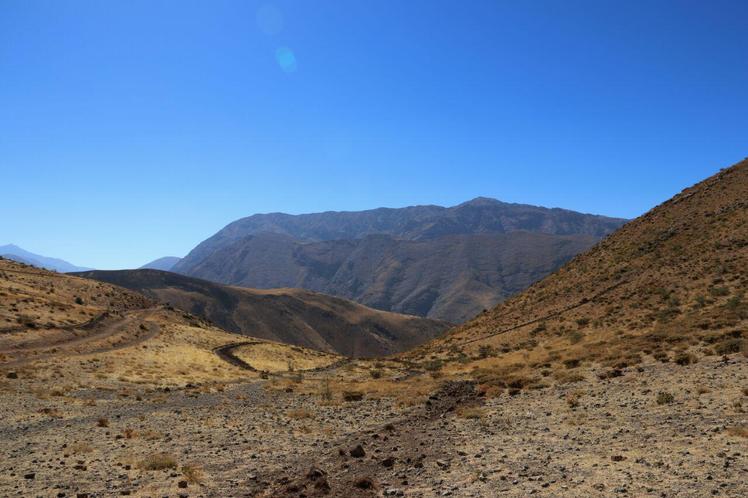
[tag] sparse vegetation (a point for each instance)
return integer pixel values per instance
(159, 461)
(471, 412)
(664, 398)
(194, 474)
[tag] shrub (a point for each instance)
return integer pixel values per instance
(685, 359)
(575, 337)
(719, 291)
(485, 351)
(193, 474)
(159, 461)
(102, 422)
(353, 395)
(375, 374)
(299, 414)
(733, 303)
(738, 430)
(572, 398)
(664, 398)
(434, 365)
(471, 412)
(729, 346)
(78, 300)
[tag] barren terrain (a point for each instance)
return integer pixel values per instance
(625, 373)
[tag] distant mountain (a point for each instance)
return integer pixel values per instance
(445, 263)
(292, 316)
(166, 263)
(15, 253)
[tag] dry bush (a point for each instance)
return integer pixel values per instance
(353, 395)
(568, 377)
(573, 398)
(193, 474)
(159, 461)
(299, 414)
(471, 412)
(102, 422)
(664, 398)
(738, 430)
(79, 447)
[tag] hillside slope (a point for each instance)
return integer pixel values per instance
(291, 316)
(670, 284)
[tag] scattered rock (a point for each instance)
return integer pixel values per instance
(358, 452)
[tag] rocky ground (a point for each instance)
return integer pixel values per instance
(667, 430)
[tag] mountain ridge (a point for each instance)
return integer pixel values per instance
(376, 257)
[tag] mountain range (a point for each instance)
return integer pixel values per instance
(433, 261)
(16, 253)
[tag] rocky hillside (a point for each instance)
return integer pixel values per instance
(444, 263)
(291, 316)
(670, 284)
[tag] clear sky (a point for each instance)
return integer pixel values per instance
(131, 130)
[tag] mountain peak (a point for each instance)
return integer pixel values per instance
(482, 201)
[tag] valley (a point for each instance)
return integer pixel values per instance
(624, 372)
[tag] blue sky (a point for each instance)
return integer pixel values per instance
(133, 130)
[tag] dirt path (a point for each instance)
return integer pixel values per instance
(114, 332)
(370, 462)
(226, 353)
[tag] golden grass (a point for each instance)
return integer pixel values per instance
(275, 357)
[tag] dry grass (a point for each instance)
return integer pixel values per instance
(79, 447)
(299, 414)
(275, 357)
(471, 412)
(159, 461)
(738, 430)
(193, 474)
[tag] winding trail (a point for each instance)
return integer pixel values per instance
(114, 332)
(226, 353)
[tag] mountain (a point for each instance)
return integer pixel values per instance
(166, 263)
(14, 252)
(443, 263)
(670, 284)
(450, 278)
(291, 316)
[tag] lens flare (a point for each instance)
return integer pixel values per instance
(286, 59)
